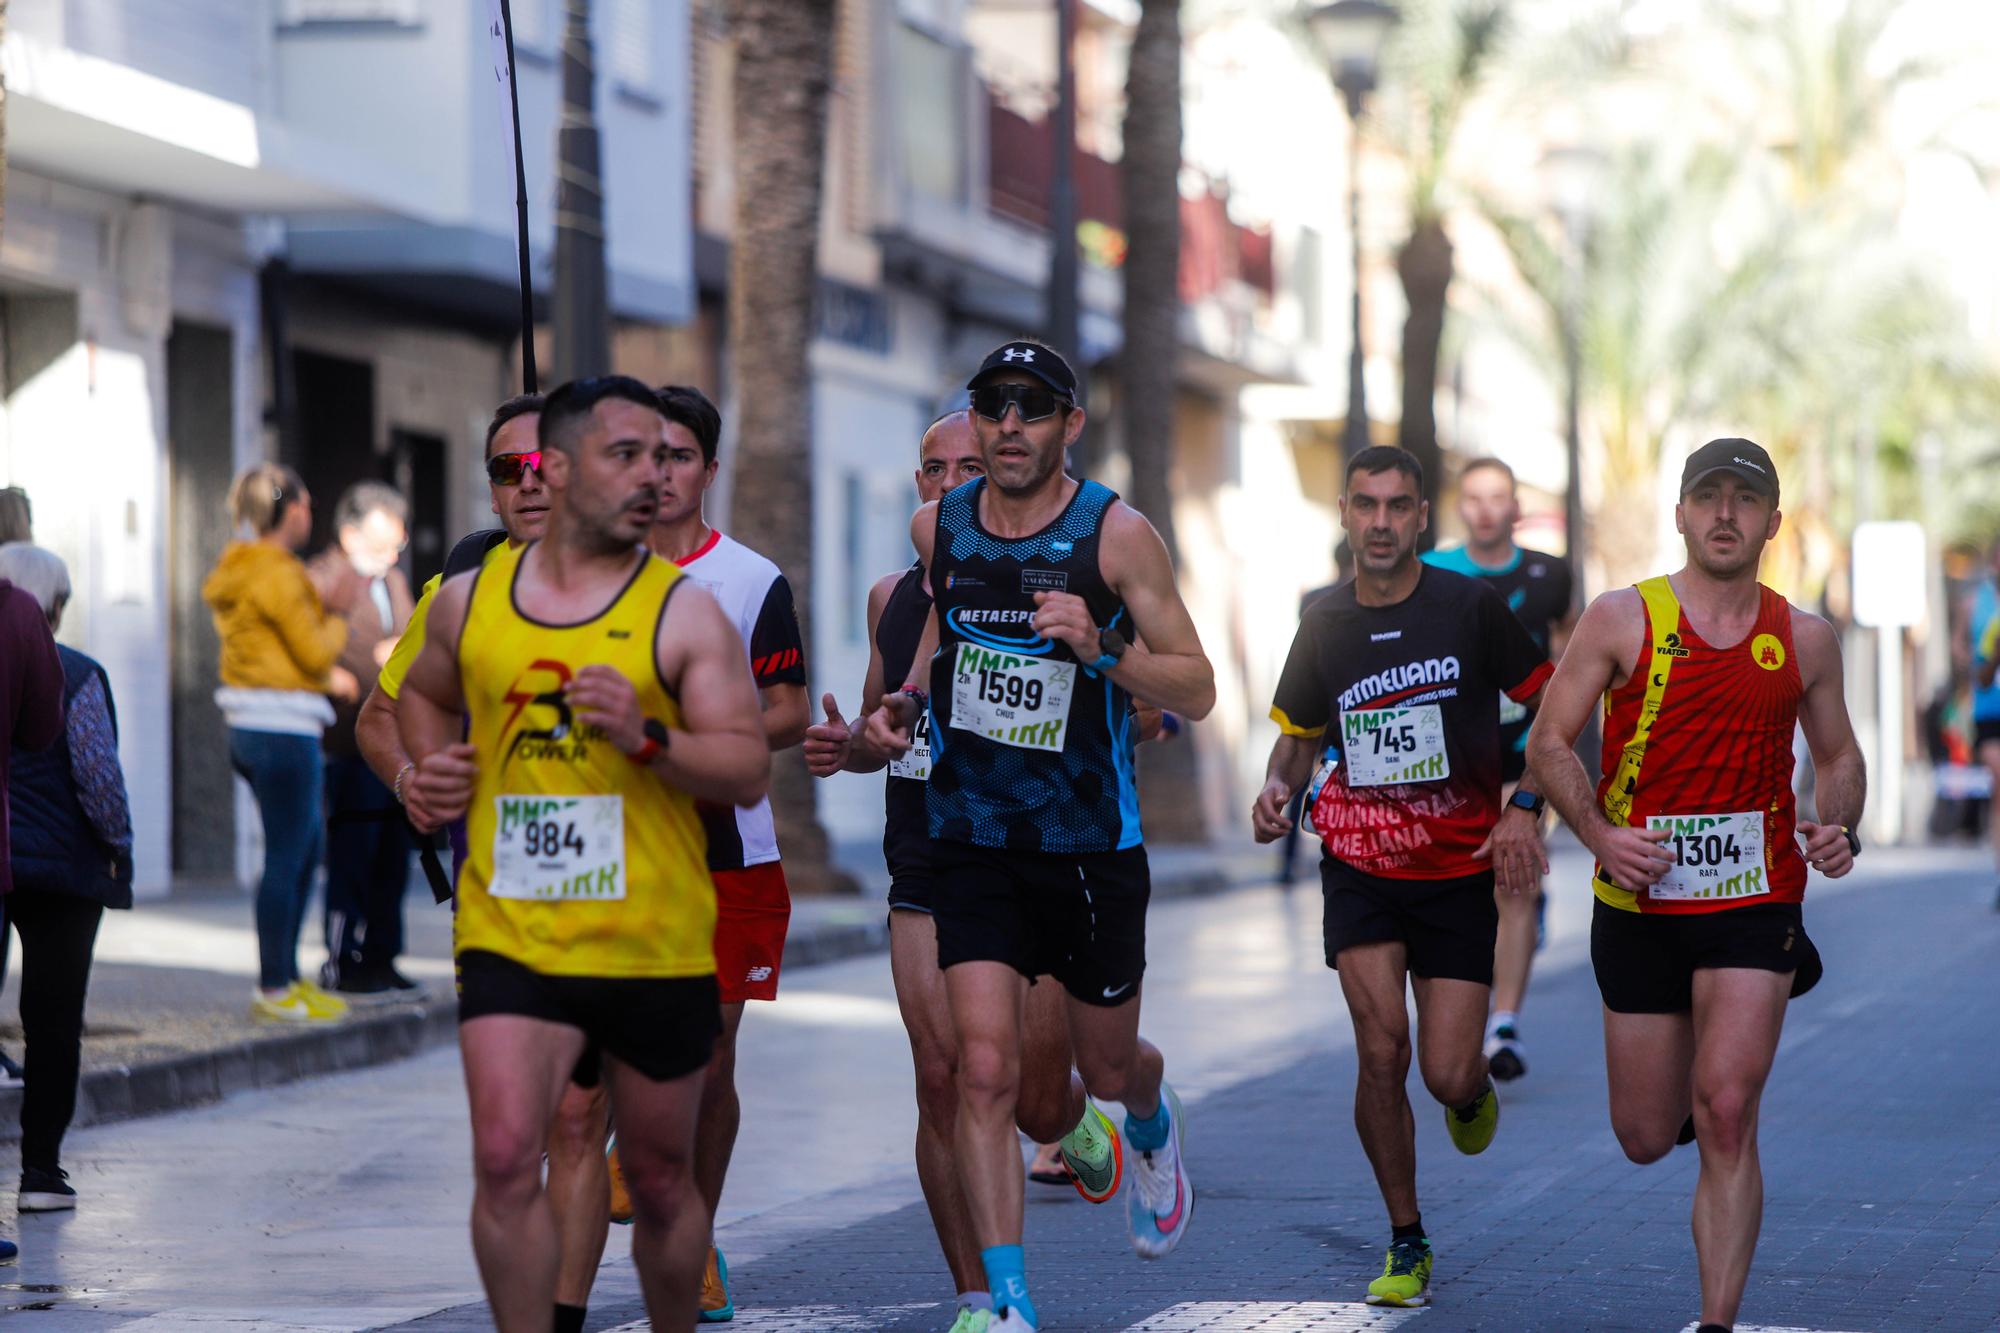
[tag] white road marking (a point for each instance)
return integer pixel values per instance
(1273, 1316)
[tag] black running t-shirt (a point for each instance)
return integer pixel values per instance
(1407, 698)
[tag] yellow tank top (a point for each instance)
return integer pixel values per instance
(580, 862)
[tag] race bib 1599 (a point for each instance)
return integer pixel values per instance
(559, 848)
(1011, 698)
(1716, 856)
(1386, 746)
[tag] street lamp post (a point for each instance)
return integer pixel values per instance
(1571, 176)
(1351, 33)
(582, 309)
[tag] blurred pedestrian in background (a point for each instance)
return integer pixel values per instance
(17, 516)
(16, 525)
(1985, 624)
(281, 633)
(367, 845)
(31, 714)
(70, 829)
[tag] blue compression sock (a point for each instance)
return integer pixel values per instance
(1150, 1134)
(1007, 1278)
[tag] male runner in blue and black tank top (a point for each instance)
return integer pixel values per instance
(1052, 1103)
(1539, 589)
(1055, 606)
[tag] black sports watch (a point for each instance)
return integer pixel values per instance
(1533, 802)
(1111, 646)
(1853, 840)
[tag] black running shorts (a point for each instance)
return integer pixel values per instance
(664, 1027)
(1645, 962)
(1446, 926)
(1985, 730)
(1079, 917)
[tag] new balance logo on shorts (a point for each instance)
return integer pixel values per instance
(758, 974)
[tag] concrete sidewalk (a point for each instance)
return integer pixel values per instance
(168, 1026)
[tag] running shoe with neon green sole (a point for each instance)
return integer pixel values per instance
(1406, 1275)
(1471, 1126)
(1095, 1158)
(971, 1321)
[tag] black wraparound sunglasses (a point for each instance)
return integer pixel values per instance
(1034, 402)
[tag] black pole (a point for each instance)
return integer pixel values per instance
(528, 376)
(1354, 436)
(1573, 423)
(1063, 332)
(581, 303)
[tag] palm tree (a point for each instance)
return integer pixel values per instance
(1648, 292)
(783, 72)
(1148, 379)
(1149, 175)
(1436, 64)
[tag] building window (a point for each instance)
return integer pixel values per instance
(397, 13)
(630, 39)
(854, 601)
(932, 127)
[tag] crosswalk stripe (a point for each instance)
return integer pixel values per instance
(809, 1319)
(1761, 1328)
(312, 1320)
(1302, 1316)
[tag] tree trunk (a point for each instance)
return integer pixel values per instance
(1425, 266)
(1148, 365)
(784, 68)
(1149, 177)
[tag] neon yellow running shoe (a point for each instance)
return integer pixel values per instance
(971, 1321)
(1093, 1154)
(319, 1003)
(1406, 1275)
(1471, 1126)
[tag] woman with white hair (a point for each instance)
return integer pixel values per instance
(71, 841)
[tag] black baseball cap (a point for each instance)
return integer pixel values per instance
(1029, 358)
(1738, 457)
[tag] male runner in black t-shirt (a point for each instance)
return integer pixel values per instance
(1539, 590)
(1395, 678)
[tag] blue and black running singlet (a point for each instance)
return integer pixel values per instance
(1030, 748)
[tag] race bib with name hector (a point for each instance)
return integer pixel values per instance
(1386, 746)
(1011, 698)
(559, 848)
(915, 763)
(1716, 856)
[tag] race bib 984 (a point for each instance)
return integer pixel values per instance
(559, 848)
(1385, 746)
(1011, 698)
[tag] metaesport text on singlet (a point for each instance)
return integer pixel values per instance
(1031, 749)
(1699, 742)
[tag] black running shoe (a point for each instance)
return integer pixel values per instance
(45, 1190)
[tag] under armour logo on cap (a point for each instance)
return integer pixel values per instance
(1039, 360)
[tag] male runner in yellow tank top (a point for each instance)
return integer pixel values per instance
(605, 695)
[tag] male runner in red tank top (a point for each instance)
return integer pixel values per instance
(1698, 940)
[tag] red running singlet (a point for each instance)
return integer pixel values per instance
(1699, 741)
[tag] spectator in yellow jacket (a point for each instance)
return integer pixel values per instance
(281, 640)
